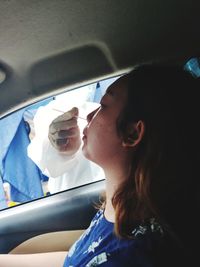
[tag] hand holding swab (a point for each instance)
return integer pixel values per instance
(78, 117)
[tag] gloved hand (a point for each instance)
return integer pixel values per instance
(64, 133)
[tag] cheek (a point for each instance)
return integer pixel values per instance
(100, 132)
(102, 142)
(93, 144)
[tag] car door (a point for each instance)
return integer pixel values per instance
(52, 223)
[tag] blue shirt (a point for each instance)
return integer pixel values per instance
(99, 246)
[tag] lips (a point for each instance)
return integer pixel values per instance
(84, 134)
(85, 131)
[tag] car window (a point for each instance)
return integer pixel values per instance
(30, 167)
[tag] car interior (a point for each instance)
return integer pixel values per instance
(52, 47)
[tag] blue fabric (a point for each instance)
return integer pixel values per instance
(20, 172)
(40, 103)
(8, 128)
(3, 203)
(99, 246)
(15, 166)
(98, 94)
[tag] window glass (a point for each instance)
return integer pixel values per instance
(30, 167)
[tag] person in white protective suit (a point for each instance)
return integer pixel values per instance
(56, 145)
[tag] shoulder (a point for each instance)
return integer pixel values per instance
(99, 215)
(150, 227)
(147, 236)
(154, 244)
(147, 246)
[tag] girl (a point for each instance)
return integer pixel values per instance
(144, 136)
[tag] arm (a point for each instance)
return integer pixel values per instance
(47, 149)
(50, 155)
(50, 259)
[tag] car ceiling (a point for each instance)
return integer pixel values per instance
(47, 45)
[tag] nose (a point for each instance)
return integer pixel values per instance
(91, 115)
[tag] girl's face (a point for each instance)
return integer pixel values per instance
(101, 143)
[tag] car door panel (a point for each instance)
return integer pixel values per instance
(69, 210)
(56, 241)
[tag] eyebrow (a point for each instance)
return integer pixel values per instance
(110, 91)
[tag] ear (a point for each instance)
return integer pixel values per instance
(135, 134)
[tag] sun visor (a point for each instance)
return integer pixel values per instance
(69, 68)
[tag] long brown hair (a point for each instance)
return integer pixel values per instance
(163, 174)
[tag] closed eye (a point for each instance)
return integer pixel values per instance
(102, 105)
